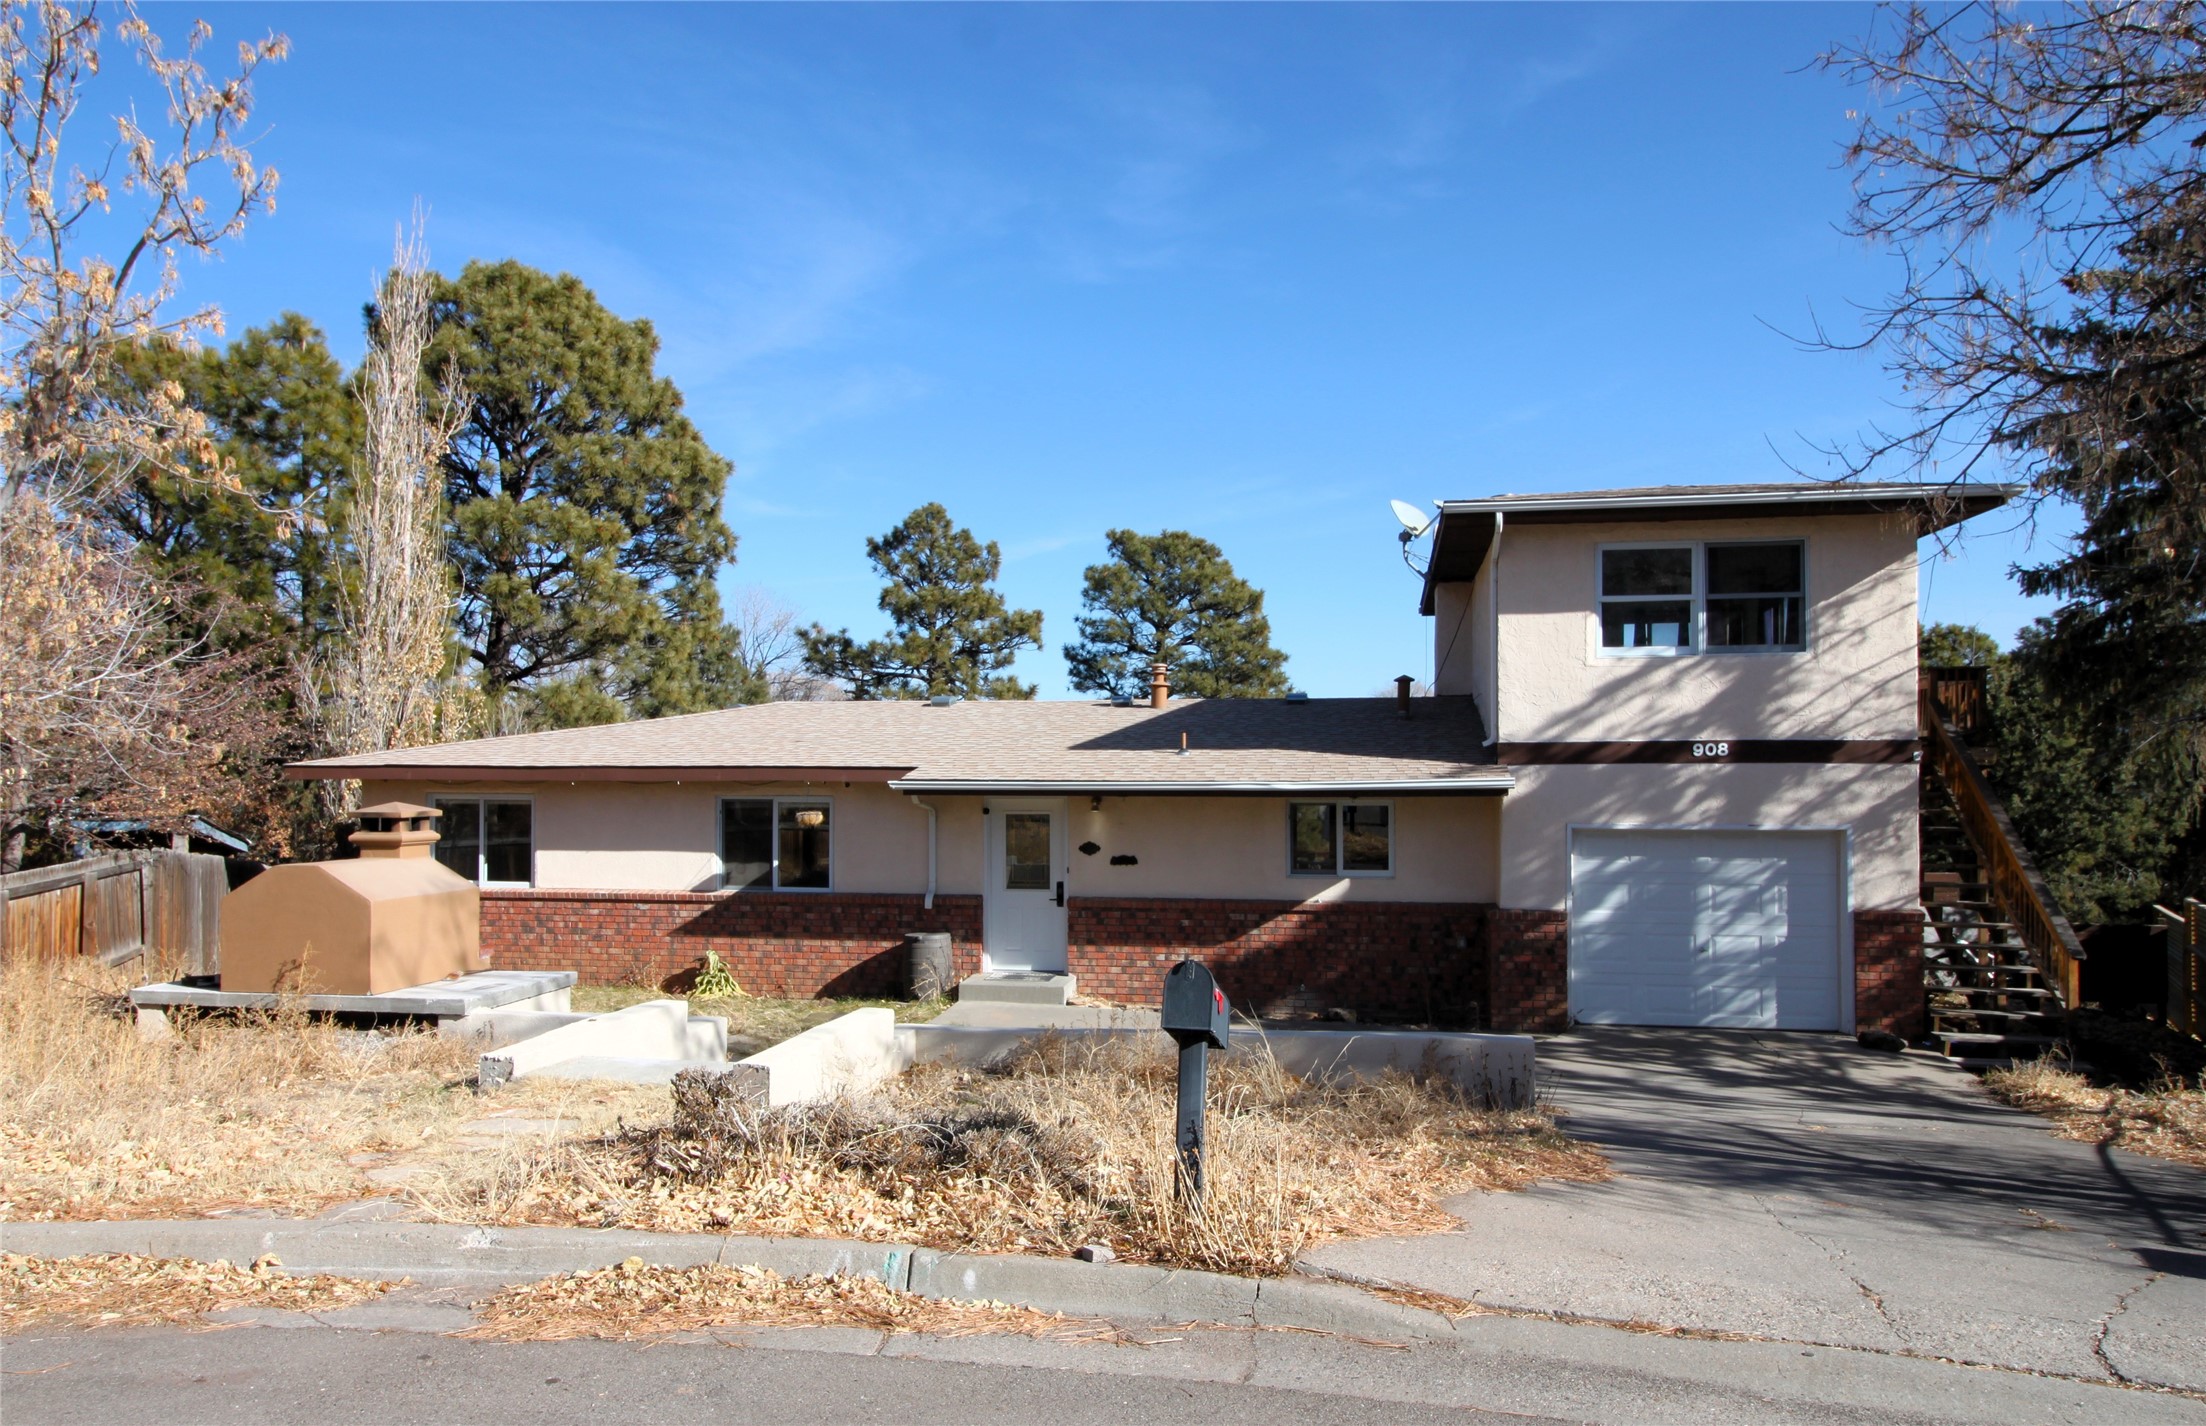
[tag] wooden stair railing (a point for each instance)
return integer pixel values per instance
(2013, 880)
(2186, 930)
(1957, 690)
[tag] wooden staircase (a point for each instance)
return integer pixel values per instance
(2000, 963)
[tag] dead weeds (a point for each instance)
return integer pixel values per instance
(2166, 1120)
(127, 1290)
(1066, 1143)
(638, 1299)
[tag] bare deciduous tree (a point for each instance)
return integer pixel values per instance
(2002, 153)
(381, 685)
(2038, 171)
(769, 646)
(100, 711)
(64, 422)
(98, 702)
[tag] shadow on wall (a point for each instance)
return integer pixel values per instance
(1857, 675)
(1437, 729)
(1878, 801)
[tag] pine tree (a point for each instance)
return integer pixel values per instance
(251, 555)
(1173, 598)
(950, 631)
(584, 507)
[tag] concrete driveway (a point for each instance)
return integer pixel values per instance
(1799, 1187)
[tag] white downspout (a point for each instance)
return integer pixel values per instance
(1493, 634)
(929, 903)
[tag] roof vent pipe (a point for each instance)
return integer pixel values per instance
(1160, 684)
(1401, 693)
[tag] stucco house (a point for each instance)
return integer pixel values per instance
(1668, 776)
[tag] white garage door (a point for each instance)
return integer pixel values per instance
(1705, 928)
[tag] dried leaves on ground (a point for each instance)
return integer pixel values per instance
(638, 1299)
(127, 1290)
(1063, 1144)
(2166, 1120)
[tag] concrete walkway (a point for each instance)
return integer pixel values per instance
(1800, 1188)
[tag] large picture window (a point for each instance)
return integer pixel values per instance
(1340, 839)
(490, 841)
(775, 844)
(1693, 598)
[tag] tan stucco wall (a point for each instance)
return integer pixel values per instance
(1856, 679)
(636, 836)
(1877, 801)
(1445, 849)
(662, 837)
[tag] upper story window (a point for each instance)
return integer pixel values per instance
(775, 843)
(1688, 598)
(490, 841)
(1340, 839)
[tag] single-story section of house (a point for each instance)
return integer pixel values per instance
(1319, 853)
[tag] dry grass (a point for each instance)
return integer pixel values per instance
(126, 1290)
(636, 1299)
(2166, 1120)
(1065, 1144)
(277, 1112)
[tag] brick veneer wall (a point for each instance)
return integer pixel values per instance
(1528, 970)
(775, 943)
(1389, 960)
(1888, 972)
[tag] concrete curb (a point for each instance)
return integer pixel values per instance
(467, 1256)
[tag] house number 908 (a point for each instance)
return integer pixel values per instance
(1711, 750)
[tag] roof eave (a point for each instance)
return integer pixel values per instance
(326, 770)
(1491, 784)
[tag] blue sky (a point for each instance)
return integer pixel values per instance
(1248, 271)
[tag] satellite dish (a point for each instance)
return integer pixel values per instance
(1414, 521)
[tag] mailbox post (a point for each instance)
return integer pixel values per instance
(1197, 1017)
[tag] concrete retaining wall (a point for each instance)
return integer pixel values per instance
(850, 1054)
(654, 1030)
(1495, 1068)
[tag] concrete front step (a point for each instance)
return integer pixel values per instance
(1952, 1040)
(1017, 987)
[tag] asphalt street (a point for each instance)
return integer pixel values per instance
(395, 1363)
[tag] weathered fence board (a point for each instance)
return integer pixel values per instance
(119, 905)
(46, 924)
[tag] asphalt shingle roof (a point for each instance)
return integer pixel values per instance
(1088, 744)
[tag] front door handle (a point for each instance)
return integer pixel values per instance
(1060, 893)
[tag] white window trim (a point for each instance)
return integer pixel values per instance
(719, 825)
(1698, 599)
(482, 843)
(1340, 841)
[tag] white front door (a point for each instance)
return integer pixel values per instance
(1706, 928)
(1023, 925)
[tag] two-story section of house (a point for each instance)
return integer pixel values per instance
(1706, 697)
(1668, 777)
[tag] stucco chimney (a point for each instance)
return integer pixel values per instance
(396, 829)
(1401, 693)
(1160, 684)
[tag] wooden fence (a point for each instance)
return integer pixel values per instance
(117, 906)
(2015, 886)
(2186, 966)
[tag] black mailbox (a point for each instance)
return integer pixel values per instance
(1195, 1009)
